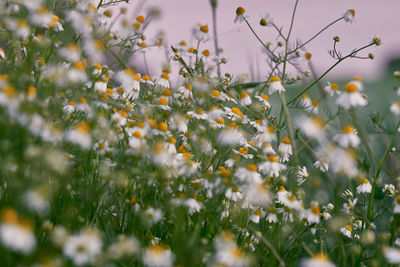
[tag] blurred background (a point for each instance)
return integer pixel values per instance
(244, 52)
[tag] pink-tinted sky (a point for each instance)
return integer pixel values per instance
(242, 49)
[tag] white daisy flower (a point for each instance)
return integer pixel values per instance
(200, 32)
(255, 216)
(83, 248)
(392, 255)
(395, 108)
(285, 149)
(245, 99)
(318, 260)
(348, 137)
(271, 217)
(272, 167)
(351, 97)
(275, 85)
(349, 15)
(266, 20)
(233, 193)
(346, 230)
(158, 256)
(331, 88)
(364, 187)
(264, 99)
(302, 175)
(240, 16)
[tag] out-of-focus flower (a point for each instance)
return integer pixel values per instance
(16, 234)
(200, 32)
(349, 15)
(240, 16)
(83, 248)
(158, 256)
(275, 85)
(266, 20)
(351, 97)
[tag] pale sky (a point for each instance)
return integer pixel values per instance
(242, 49)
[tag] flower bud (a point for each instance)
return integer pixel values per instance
(336, 39)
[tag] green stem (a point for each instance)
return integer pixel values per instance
(312, 38)
(326, 72)
(258, 38)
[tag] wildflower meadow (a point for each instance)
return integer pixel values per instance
(108, 163)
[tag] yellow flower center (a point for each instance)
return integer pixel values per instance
(204, 28)
(215, 93)
(315, 210)
(199, 111)
(162, 126)
(31, 90)
(206, 53)
(348, 129)
(265, 97)
(348, 227)
(282, 188)
(243, 95)
(167, 92)
(163, 101)
(351, 88)
(243, 150)
(240, 11)
(141, 19)
(272, 158)
(165, 76)
(137, 134)
(252, 167)
(334, 86)
(274, 79)
(146, 78)
(286, 140)
(308, 55)
(83, 127)
(352, 12)
(220, 120)
(257, 212)
(364, 181)
(320, 257)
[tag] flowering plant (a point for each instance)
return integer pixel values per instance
(106, 165)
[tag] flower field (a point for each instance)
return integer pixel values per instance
(104, 163)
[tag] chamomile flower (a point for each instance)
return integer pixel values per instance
(389, 190)
(331, 88)
(346, 230)
(163, 81)
(123, 247)
(313, 126)
(272, 217)
(357, 80)
(271, 167)
(240, 16)
(267, 20)
(233, 194)
(80, 135)
(397, 205)
(264, 99)
(351, 97)
(348, 137)
(249, 174)
(302, 175)
(130, 83)
(16, 234)
(200, 32)
(318, 260)
(313, 214)
(230, 136)
(395, 108)
(83, 248)
(364, 187)
(162, 103)
(158, 255)
(275, 85)
(2, 53)
(245, 99)
(349, 15)
(256, 194)
(255, 216)
(285, 149)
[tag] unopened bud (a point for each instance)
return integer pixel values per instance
(377, 41)
(371, 56)
(336, 39)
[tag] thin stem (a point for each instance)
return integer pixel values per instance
(282, 95)
(279, 31)
(327, 71)
(312, 38)
(258, 38)
(216, 48)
